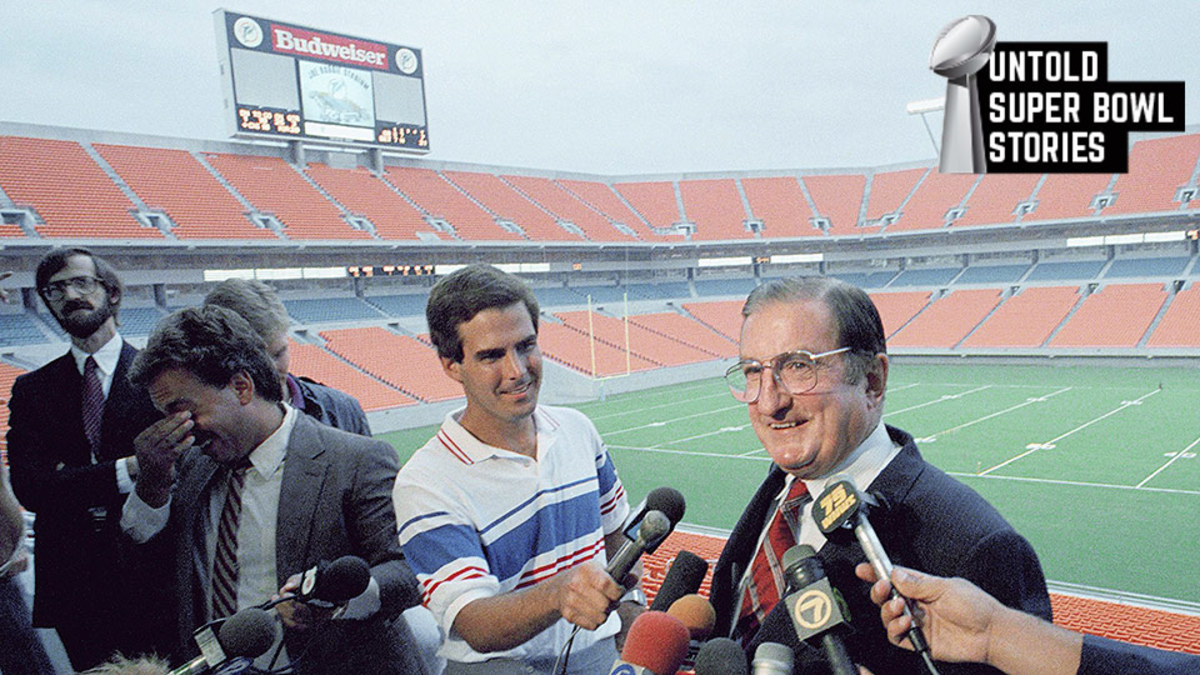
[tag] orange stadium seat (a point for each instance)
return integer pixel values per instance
(723, 316)
(501, 199)
(889, 190)
(1114, 316)
(688, 331)
(934, 198)
(715, 207)
(573, 349)
(436, 196)
(948, 320)
(1178, 325)
(1157, 169)
(603, 198)
(274, 187)
(896, 309)
(643, 342)
(1068, 195)
(839, 198)
(1026, 319)
(320, 365)
(996, 197)
(556, 199)
(364, 194)
(70, 192)
(655, 201)
(399, 360)
(175, 182)
(780, 204)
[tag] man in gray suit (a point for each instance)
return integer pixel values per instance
(249, 493)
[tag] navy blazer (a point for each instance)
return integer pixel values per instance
(79, 570)
(336, 500)
(934, 524)
(1108, 657)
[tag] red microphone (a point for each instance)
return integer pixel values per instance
(657, 644)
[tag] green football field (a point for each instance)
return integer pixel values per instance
(1096, 466)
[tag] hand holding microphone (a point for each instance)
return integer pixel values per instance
(317, 594)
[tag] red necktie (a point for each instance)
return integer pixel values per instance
(93, 405)
(766, 583)
(225, 562)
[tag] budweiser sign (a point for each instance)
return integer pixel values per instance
(328, 47)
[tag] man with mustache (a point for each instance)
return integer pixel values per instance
(70, 446)
(509, 514)
(249, 492)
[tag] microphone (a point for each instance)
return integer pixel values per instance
(329, 584)
(653, 529)
(841, 508)
(657, 644)
(815, 607)
(684, 578)
(772, 658)
(247, 634)
(668, 500)
(721, 656)
(696, 613)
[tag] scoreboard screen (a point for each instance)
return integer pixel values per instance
(290, 82)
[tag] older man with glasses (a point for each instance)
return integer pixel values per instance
(812, 372)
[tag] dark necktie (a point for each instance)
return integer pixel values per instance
(93, 405)
(766, 583)
(225, 562)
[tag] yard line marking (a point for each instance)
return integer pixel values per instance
(943, 399)
(752, 452)
(959, 474)
(722, 430)
(1040, 446)
(692, 453)
(1028, 401)
(905, 386)
(1169, 462)
(639, 411)
(675, 419)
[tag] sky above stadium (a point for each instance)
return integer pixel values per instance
(616, 88)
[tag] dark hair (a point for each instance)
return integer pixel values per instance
(858, 324)
(53, 262)
(212, 343)
(465, 293)
(255, 302)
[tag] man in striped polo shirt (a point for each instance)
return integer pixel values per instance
(509, 514)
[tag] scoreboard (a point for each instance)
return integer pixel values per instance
(290, 82)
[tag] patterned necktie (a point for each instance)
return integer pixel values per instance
(93, 405)
(225, 563)
(766, 583)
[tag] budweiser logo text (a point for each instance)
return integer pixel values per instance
(329, 47)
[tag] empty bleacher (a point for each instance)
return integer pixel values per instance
(896, 309)
(1167, 266)
(575, 350)
(323, 310)
(932, 276)
(723, 316)
(364, 194)
(779, 203)
(688, 331)
(19, 329)
(1026, 319)
(1114, 316)
(643, 342)
(655, 201)
(71, 193)
(1066, 270)
(412, 304)
(506, 203)
(316, 363)
(715, 207)
(274, 187)
(136, 321)
(992, 274)
(172, 180)
(888, 192)
(602, 197)
(948, 320)
(1068, 195)
(995, 199)
(1179, 324)
(442, 200)
(839, 199)
(1157, 169)
(399, 360)
(556, 199)
(716, 287)
(936, 196)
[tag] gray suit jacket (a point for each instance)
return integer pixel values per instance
(336, 500)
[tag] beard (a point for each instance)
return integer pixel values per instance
(82, 324)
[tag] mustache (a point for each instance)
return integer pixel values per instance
(73, 305)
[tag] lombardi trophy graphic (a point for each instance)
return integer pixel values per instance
(962, 50)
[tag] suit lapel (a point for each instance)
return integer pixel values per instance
(303, 478)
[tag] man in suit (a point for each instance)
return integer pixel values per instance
(251, 493)
(813, 373)
(70, 445)
(258, 304)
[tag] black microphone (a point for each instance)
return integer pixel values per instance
(840, 509)
(772, 658)
(247, 634)
(684, 578)
(335, 583)
(653, 530)
(721, 656)
(815, 607)
(668, 500)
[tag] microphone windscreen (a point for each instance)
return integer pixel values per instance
(684, 577)
(696, 613)
(343, 579)
(250, 632)
(668, 500)
(772, 658)
(657, 641)
(721, 656)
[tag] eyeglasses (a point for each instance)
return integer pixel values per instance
(57, 290)
(794, 372)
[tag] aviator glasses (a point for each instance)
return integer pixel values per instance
(57, 290)
(794, 372)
